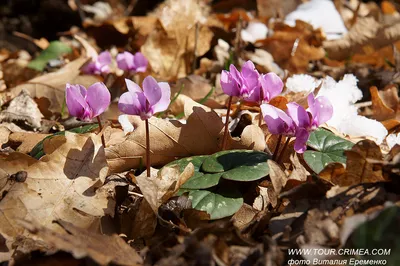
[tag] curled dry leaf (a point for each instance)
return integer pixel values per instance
(64, 184)
(381, 110)
(252, 137)
(4, 133)
(163, 184)
(81, 243)
(277, 176)
(23, 109)
(174, 39)
(52, 85)
(366, 31)
(169, 140)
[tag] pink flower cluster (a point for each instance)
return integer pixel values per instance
(126, 61)
(295, 121)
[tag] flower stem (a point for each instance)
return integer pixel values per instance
(226, 124)
(277, 148)
(283, 149)
(101, 129)
(147, 148)
(260, 118)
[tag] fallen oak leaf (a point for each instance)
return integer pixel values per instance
(367, 31)
(169, 140)
(52, 85)
(163, 184)
(81, 243)
(64, 184)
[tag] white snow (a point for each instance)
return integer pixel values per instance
(125, 123)
(343, 95)
(320, 14)
(255, 31)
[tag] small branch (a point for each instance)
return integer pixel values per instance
(196, 38)
(226, 123)
(277, 147)
(101, 129)
(147, 148)
(130, 8)
(283, 149)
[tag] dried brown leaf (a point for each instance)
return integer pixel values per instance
(366, 31)
(23, 109)
(52, 85)
(82, 243)
(64, 184)
(26, 141)
(169, 140)
(277, 176)
(163, 184)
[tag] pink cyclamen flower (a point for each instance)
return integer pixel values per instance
(319, 111)
(297, 121)
(154, 98)
(129, 62)
(278, 122)
(99, 65)
(271, 86)
(241, 84)
(87, 104)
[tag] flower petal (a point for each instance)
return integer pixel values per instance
(132, 86)
(75, 101)
(228, 84)
(320, 108)
(302, 136)
(129, 103)
(104, 58)
(272, 85)
(151, 90)
(125, 61)
(165, 100)
(278, 121)
(299, 115)
(98, 98)
(140, 62)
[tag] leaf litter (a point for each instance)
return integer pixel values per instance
(77, 192)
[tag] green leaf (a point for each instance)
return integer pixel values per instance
(55, 49)
(37, 151)
(219, 204)
(329, 148)
(238, 165)
(199, 180)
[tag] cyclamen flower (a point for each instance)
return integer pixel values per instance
(241, 84)
(154, 98)
(297, 121)
(129, 62)
(271, 86)
(87, 104)
(99, 65)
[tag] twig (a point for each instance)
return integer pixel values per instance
(226, 123)
(283, 149)
(101, 129)
(130, 8)
(277, 147)
(147, 148)
(196, 38)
